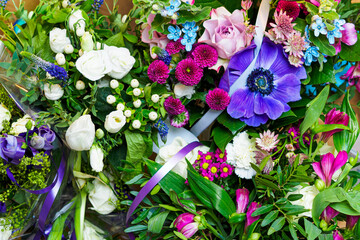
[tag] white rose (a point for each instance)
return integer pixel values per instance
(96, 158)
(81, 134)
(87, 43)
(93, 65)
(92, 232)
(77, 19)
(4, 115)
(115, 121)
(120, 60)
(20, 125)
(5, 229)
(102, 198)
(53, 91)
(169, 150)
(182, 90)
(58, 40)
(60, 58)
(309, 193)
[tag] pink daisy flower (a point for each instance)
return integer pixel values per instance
(225, 170)
(158, 71)
(204, 165)
(220, 156)
(205, 56)
(174, 106)
(295, 45)
(180, 120)
(294, 132)
(188, 72)
(214, 169)
(295, 61)
(267, 140)
(218, 99)
(174, 47)
(291, 8)
(282, 27)
(208, 176)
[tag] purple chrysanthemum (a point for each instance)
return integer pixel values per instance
(188, 73)
(218, 99)
(205, 56)
(180, 120)
(174, 106)
(269, 87)
(174, 47)
(158, 71)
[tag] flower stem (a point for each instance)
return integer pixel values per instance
(214, 231)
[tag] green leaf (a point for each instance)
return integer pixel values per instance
(293, 231)
(345, 140)
(323, 44)
(262, 210)
(136, 228)
(168, 207)
(311, 230)
(294, 197)
(328, 127)
(134, 180)
(237, 218)
(196, 16)
(300, 24)
(327, 74)
(117, 40)
(314, 110)
(331, 15)
(156, 223)
(276, 225)
(221, 137)
(210, 194)
(312, 8)
(136, 147)
(271, 216)
(58, 226)
(131, 38)
(234, 125)
(230, 5)
(351, 53)
(79, 217)
(142, 216)
(171, 181)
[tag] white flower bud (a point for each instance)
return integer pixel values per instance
(127, 113)
(155, 7)
(65, 4)
(137, 92)
(123, 19)
(60, 58)
(80, 85)
(153, 116)
(110, 99)
(31, 14)
(120, 106)
(136, 124)
(69, 49)
(53, 92)
(174, 16)
(80, 32)
(81, 52)
(137, 103)
(98, 45)
(155, 98)
(99, 133)
(134, 83)
(114, 83)
(48, 76)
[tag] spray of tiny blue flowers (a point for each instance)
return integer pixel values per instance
(162, 128)
(97, 4)
(3, 3)
(54, 70)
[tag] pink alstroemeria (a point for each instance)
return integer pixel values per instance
(328, 165)
(246, 4)
(328, 214)
(337, 236)
(249, 219)
(242, 200)
(353, 75)
(186, 225)
(349, 36)
(334, 117)
(351, 221)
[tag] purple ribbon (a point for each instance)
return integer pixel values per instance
(158, 176)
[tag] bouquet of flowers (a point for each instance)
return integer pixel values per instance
(262, 78)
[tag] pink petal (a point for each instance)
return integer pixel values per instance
(317, 168)
(349, 36)
(340, 161)
(327, 166)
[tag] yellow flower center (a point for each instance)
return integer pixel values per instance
(198, 157)
(221, 155)
(206, 178)
(205, 165)
(225, 169)
(208, 157)
(213, 169)
(292, 134)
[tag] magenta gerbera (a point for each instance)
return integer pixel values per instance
(218, 99)
(188, 72)
(158, 72)
(174, 47)
(205, 56)
(291, 8)
(180, 120)
(174, 106)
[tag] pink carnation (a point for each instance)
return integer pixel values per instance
(218, 99)
(188, 73)
(205, 56)
(158, 71)
(174, 47)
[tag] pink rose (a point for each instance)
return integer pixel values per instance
(226, 32)
(158, 39)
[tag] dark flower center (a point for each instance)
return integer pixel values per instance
(260, 80)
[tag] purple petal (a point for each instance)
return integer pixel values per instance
(241, 104)
(190, 229)
(317, 168)
(340, 161)
(287, 89)
(326, 165)
(267, 55)
(255, 120)
(281, 67)
(266, 104)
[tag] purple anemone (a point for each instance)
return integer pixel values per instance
(270, 86)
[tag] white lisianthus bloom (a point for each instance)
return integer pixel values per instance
(102, 198)
(58, 40)
(96, 158)
(20, 125)
(169, 150)
(77, 19)
(4, 115)
(309, 193)
(240, 153)
(53, 92)
(91, 232)
(94, 64)
(182, 90)
(115, 121)
(120, 60)
(5, 230)
(81, 134)
(87, 43)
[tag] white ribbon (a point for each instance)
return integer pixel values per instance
(261, 22)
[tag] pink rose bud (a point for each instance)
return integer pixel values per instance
(351, 221)
(334, 117)
(186, 225)
(337, 236)
(242, 200)
(328, 214)
(249, 219)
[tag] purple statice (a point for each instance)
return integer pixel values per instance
(268, 89)
(54, 70)
(96, 5)
(162, 128)
(3, 3)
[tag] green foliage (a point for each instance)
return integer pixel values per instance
(9, 103)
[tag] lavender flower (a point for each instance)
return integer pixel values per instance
(11, 148)
(162, 128)
(3, 3)
(97, 4)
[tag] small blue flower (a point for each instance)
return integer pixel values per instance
(311, 55)
(175, 33)
(165, 57)
(190, 28)
(319, 27)
(331, 35)
(3, 3)
(97, 4)
(188, 41)
(338, 23)
(173, 8)
(162, 128)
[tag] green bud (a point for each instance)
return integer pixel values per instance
(99, 133)
(197, 219)
(29, 125)
(319, 184)
(323, 225)
(155, 190)
(255, 236)
(353, 161)
(104, 178)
